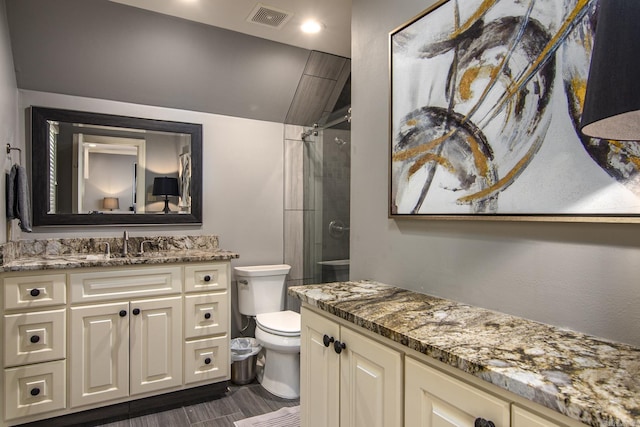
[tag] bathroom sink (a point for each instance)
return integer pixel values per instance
(94, 257)
(78, 257)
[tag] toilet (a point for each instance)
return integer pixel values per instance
(261, 295)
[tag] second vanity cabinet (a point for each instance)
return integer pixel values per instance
(347, 379)
(98, 336)
(377, 382)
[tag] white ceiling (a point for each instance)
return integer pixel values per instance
(335, 16)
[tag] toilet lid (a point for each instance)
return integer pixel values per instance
(284, 323)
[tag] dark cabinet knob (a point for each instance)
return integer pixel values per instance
(136, 311)
(207, 316)
(34, 391)
(35, 292)
(207, 278)
(123, 313)
(481, 422)
(327, 340)
(339, 346)
(34, 339)
(207, 361)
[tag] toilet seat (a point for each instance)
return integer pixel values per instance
(282, 323)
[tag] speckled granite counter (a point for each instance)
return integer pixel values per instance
(53, 254)
(586, 378)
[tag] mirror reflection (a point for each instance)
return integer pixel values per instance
(101, 169)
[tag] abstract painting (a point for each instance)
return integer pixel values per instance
(486, 97)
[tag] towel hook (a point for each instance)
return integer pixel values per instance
(9, 148)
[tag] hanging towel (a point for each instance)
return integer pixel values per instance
(18, 197)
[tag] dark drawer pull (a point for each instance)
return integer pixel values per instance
(207, 316)
(327, 340)
(122, 313)
(207, 278)
(481, 422)
(34, 391)
(34, 339)
(136, 311)
(207, 361)
(35, 292)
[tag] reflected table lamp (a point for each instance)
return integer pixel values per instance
(612, 100)
(165, 186)
(111, 203)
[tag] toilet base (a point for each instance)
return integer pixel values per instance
(280, 374)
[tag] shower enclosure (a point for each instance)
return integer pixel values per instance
(327, 174)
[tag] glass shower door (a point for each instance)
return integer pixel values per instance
(327, 171)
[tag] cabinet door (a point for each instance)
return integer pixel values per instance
(99, 359)
(370, 383)
(156, 344)
(435, 399)
(319, 372)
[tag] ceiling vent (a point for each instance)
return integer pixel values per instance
(269, 16)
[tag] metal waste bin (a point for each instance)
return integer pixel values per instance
(244, 352)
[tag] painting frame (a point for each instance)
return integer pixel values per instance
(411, 152)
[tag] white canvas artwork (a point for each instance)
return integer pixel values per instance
(486, 97)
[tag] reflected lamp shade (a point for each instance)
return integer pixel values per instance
(165, 186)
(111, 203)
(612, 100)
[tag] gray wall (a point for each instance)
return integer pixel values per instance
(581, 276)
(8, 101)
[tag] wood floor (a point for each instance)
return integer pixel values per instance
(240, 402)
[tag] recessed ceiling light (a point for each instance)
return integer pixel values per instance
(311, 26)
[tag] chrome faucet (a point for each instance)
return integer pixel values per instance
(107, 249)
(142, 246)
(125, 243)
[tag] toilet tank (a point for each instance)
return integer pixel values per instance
(261, 288)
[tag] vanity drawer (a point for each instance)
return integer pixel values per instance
(206, 359)
(206, 315)
(34, 389)
(34, 291)
(34, 337)
(206, 278)
(124, 284)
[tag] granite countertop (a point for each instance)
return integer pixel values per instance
(52, 262)
(589, 379)
(51, 254)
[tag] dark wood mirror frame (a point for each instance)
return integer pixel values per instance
(39, 116)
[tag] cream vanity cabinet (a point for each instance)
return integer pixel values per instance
(111, 334)
(347, 379)
(382, 383)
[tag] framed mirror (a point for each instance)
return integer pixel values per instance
(103, 169)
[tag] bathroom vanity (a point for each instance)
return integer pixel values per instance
(389, 356)
(83, 331)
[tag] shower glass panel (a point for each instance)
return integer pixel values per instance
(327, 172)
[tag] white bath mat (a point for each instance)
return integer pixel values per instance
(283, 417)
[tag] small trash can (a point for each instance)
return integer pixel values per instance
(243, 357)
